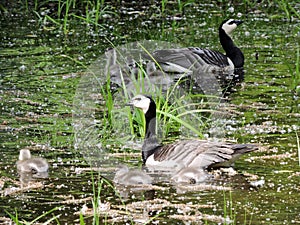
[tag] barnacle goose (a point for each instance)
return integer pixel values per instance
(193, 59)
(126, 176)
(185, 153)
(31, 165)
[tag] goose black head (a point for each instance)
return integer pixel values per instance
(229, 25)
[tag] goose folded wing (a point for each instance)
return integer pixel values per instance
(197, 153)
(210, 57)
(176, 60)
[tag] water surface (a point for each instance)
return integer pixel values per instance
(40, 70)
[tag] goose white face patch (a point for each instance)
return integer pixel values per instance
(142, 102)
(229, 26)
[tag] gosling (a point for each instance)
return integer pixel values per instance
(190, 175)
(126, 177)
(31, 165)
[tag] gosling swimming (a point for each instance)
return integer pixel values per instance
(190, 175)
(126, 176)
(31, 165)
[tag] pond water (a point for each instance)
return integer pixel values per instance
(41, 67)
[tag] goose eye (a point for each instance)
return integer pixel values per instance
(192, 181)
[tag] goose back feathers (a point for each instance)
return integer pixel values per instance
(195, 153)
(186, 153)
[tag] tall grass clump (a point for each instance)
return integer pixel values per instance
(94, 11)
(62, 13)
(288, 9)
(180, 110)
(183, 4)
(175, 111)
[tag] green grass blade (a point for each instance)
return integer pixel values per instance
(182, 122)
(298, 147)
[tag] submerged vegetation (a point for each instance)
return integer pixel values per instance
(46, 49)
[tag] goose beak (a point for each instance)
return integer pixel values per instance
(130, 103)
(238, 22)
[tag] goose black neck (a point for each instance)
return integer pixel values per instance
(151, 144)
(232, 51)
(150, 117)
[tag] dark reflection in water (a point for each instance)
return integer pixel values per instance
(27, 177)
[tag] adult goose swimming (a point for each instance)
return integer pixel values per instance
(204, 60)
(185, 153)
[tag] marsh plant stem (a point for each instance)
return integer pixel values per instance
(298, 147)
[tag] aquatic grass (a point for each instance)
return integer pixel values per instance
(286, 7)
(64, 22)
(277, 9)
(298, 147)
(174, 110)
(296, 74)
(15, 218)
(163, 5)
(96, 198)
(97, 191)
(230, 216)
(68, 4)
(174, 107)
(93, 13)
(64, 13)
(183, 4)
(228, 209)
(108, 98)
(246, 221)
(66, 10)
(180, 121)
(294, 71)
